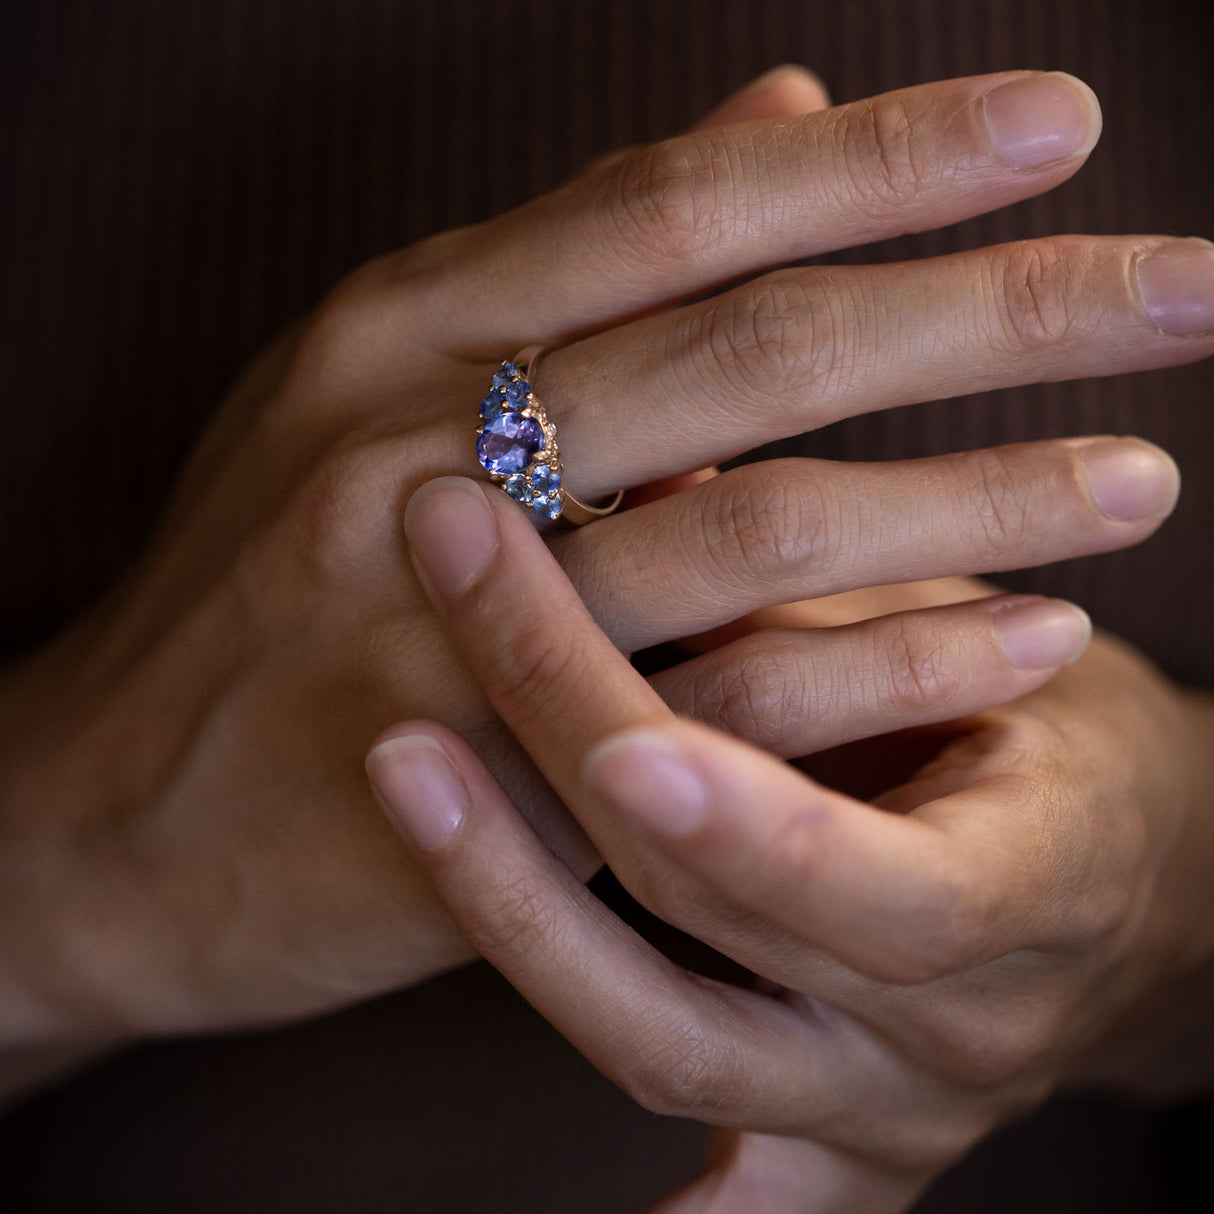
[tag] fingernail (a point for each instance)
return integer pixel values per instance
(1039, 633)
(1176, 282)
(645, 775)
(1043, 118)
(1130, 480)
(419, 788)
(451, 532)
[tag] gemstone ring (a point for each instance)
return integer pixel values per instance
(516, 445)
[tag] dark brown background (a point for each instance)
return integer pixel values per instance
(181, 178)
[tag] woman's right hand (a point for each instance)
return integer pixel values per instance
(188, 840)
(1026, 894)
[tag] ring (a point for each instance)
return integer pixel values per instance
(516, 445)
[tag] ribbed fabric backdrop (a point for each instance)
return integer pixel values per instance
(180, 178)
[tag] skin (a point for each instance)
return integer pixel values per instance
(1005, 916)
(189, 842)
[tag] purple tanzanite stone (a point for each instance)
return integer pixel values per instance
(508, 442)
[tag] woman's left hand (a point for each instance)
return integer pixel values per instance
(931, 964)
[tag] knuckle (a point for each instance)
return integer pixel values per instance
(988, 1052)
(524, 922)
(531, 659)
(669, 200)
(756, 696)
(1098, 863)
(1032, 296)
(427, 262)
(930, 1142)
(782, 340)
(1098, 917)
(748, 339)
(881, 154)
(345, 333)
(918, 667)
(680, 1074)
(357, 327)
(332, 334)
(997, 506)
(1101, 862)
(662, 893)
(678, 901)
(952, 931)
(346, 504)
(945, 934)
(1026, 738)
(417, 278)
(758, 526)
(1102, 910)
(599, 164)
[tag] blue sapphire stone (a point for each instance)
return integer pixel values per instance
(545, 480)
(549, 507)
(517, 487)
(504, 374)
(516, 392)
(508, 442)
(492, 405)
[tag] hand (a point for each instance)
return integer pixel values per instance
(188, 839)
(931, 965)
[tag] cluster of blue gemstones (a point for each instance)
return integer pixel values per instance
(508, 441)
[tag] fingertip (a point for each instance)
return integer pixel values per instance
(452, 532)
(676, 779)
(1090, 99)
(418, 785)
(422, 498)
(1038, 119)
(797, 84)
(650, 778)
(1130, 480)
(1176, 286)
(1038, 633)
(783, 91)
